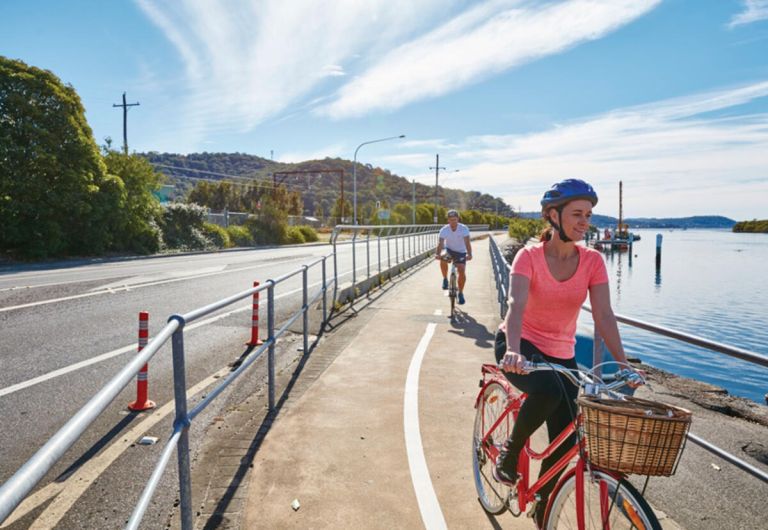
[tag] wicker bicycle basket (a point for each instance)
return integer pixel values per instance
(634, 435)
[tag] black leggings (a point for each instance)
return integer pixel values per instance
(545, 402)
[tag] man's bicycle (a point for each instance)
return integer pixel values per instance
(453, 285)
(616, 436)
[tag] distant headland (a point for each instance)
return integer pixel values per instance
(697, 221)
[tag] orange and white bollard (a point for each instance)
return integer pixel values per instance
(142, 403)
(255, 320)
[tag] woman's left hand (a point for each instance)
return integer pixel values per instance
(641, 373)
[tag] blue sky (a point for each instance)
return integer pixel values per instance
(669, 96)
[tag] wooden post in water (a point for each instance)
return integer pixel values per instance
(621, 205)
(658, 251)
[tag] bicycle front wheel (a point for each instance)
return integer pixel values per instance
(453, 290)
(493, 403)
(608, 503)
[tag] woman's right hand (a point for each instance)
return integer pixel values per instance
(513, 362)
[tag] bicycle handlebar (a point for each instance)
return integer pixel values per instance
(591, 384)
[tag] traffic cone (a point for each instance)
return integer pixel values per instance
(255, 320)
(142, 403)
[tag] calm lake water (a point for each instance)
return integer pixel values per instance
(712, 283)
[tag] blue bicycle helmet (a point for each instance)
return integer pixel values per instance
(566, 191)
(560, 194)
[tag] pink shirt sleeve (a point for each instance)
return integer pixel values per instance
(599, 272)
(522, 264)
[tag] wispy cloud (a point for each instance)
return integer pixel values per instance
(250, 60)
(754, 11)
(243, 67)
(477, 44)
(702, 153)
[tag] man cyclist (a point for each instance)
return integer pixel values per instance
(454, 237)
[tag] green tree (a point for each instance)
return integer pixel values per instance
(133, 226)
(319, 210)
(405, 210)
(337, 209)
(55, 194)
(424, 214)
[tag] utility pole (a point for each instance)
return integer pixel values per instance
(414, 202)
(125, 121)
(437, 169)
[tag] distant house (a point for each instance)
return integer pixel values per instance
(294, 220)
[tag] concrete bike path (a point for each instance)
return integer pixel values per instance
(348, 449)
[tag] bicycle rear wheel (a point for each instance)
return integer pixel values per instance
(492, 494)
(623, 507)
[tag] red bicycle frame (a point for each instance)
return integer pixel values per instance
(525, 493)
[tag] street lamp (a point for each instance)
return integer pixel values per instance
(354, 172)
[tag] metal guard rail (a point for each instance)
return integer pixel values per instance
(420, 239)
(501, 274)
(15, 489)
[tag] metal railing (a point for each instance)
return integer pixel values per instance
(501, 275)
(404, 243)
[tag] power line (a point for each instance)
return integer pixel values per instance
(181, 168)
(263, 182)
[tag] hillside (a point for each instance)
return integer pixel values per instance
(318, 190)
(700, 221)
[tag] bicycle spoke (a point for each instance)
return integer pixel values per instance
(493, 403)
(608, 503)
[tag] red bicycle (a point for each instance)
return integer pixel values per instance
(616, 436)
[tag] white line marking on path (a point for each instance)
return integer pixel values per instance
(78, 482)
(429, 506)
(114, 353)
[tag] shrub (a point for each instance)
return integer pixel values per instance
(270, 227)
(239, 236)
(294, 236)
(309, 233)
(147, 239)
(182, 226)
(524, 229)
(217, 235)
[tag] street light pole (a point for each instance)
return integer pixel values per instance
(354, 172)
(437, 169)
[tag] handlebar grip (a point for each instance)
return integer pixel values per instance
(630, 376)
(528, 366)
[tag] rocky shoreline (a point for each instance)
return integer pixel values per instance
(707, 396)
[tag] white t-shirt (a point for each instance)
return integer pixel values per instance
(454, 239)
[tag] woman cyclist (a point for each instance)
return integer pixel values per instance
(548, 284)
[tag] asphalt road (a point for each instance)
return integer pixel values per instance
(55, 316)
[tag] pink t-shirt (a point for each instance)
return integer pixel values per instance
(549, 319)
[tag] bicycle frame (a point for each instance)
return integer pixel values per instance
(526, 493)
(452, 284)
